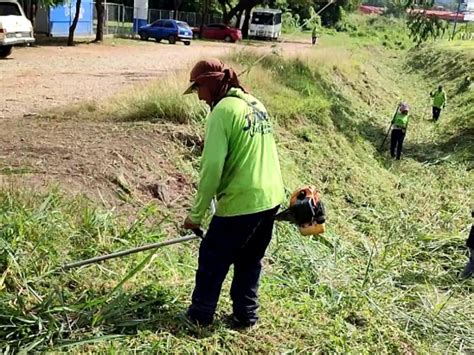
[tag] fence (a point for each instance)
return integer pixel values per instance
(155, 15)
(119, 18)
(113, 18)
(194, 19)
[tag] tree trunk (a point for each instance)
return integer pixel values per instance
(245, 26)
(72, 29)
(232, 13)
(99, 7)
(35, 11)
(205, 15)
(177, 4)
(238, 19)
(31, 15)
(224, 8)
(240, 7)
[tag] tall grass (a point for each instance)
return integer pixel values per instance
(383, 279)
(162, 101)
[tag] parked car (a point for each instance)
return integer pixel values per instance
(15, 28)
(170, 30)
(218, 31)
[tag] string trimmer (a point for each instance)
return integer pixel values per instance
(306, 210)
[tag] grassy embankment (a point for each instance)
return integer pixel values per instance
(383, 278)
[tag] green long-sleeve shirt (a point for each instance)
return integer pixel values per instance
(439, 98)
(239, 163)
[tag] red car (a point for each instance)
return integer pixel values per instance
(218, 31)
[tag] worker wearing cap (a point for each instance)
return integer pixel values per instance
(240, 167)
(399, 128)
(439, 102)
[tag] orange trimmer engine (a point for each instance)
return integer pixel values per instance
(306, 210)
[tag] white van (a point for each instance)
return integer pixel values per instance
(265, 24)
(15, 28)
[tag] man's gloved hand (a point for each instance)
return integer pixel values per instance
(189, 224)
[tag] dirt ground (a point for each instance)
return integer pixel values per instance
(38, 78)
(116, 164)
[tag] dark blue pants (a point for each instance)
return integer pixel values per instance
(470, 239)
(396, 142)
(436, 113)
(241, 241)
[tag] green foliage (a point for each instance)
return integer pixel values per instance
(420, 26)
(290, 22)
(344, 24)
(423, 28)
(305, 9)
(397, 8)
(314, 20)
(388, 31)
(351, 5)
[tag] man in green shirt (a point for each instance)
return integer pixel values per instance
(314, 35)
(240, 168)
(399, 128)
(439, 102)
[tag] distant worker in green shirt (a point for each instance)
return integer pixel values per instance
(314, 35)
(240, 168)
(439, 102)
(399, 128)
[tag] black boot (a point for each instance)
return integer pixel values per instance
(469, 268)
(236, 323)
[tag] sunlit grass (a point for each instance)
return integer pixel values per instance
(383, 279)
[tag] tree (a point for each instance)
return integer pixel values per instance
(422, 27)
(300, 9)
(397, 8)
(72, 28)
(314, 19)
(335, 12)
(241, 7)
(99, 34)
(329, 17)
